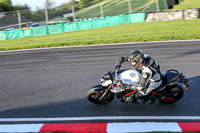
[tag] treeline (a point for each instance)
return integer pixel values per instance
(6, 6)
(53, 12)
(64, 8)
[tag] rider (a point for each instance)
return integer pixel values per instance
(151, 75)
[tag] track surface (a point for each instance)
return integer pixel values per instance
(54, 82)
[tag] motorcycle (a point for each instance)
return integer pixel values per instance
(171, 90)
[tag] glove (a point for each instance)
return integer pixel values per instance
(122, 60)
(118, 66)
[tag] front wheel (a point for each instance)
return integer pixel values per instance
(178, 94)
(95, 96)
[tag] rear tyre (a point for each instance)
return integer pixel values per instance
(178, 90)
(94, 96)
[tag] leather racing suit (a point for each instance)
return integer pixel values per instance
(151, 75)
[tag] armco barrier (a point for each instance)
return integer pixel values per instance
(173, 15)
(74, 26)
(192, 13)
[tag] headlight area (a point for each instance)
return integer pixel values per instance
(105, 82)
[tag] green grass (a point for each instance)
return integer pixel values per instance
(187, 4)
(117, 7)
(136, 32)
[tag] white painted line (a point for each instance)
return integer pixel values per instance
(98, 45)
(21, 128)
(102, 118)
(142, 127)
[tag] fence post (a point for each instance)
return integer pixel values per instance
(101, 8)
(46, 13)
(73, 12)
(129, 6)
(157, 5)
(166, 5)
(46, 16)
(19, 19)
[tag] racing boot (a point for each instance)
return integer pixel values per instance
(151, 100)
(141, 98)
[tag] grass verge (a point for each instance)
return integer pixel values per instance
(136, 32)
(117, 7)
(187, 4)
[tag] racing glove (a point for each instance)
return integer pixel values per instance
(123, 59)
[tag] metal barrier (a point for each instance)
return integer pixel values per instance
(173, 15)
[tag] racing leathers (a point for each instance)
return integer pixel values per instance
(151, 75)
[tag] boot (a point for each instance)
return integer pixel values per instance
(151, 100)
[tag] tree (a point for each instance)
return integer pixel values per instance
(6, 5)
(49, 4)
(68, 5)
(21, 7)
(38, 15)
(86, 3)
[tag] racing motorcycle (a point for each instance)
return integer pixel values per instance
(126, 81)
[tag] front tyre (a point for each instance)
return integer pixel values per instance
(177, 90)
(95, 96)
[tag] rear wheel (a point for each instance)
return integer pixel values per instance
(177, 92)
(95, 96)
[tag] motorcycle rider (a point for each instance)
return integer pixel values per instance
(151, 75)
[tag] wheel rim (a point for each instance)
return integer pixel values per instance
(177, 95)
(96, 96)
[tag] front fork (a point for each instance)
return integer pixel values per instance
(106, 92)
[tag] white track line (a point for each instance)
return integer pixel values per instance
(142, 127)
(102, 118)
(14, 128)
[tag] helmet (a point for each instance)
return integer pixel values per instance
(137, 57)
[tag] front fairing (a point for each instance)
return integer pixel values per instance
(98, 87)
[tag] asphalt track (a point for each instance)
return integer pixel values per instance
(51, 83)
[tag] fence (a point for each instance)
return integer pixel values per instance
(101, 22)
(74, 26)
(15, 19)
(117, 7)
(72, 12)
